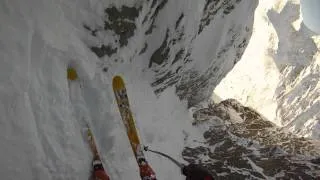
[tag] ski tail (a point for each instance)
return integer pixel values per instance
(122, 99)
(92, 142)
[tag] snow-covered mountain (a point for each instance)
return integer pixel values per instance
(278, 74)
(190, 45)
(172, 54)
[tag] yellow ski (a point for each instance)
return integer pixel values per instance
(92, 142)
(122, 99)
(123, 104)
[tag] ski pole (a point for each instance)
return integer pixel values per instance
(180, 165)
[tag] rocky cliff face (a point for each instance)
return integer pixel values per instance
(241, 144)
(188, 45)
(197, 68)
(297, 59)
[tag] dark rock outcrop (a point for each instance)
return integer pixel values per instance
(241, 144)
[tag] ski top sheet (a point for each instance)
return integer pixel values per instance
(122, 99)
(92, 142)
(125, 112)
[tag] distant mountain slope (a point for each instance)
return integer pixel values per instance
(278, 74)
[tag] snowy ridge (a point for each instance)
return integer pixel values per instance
(240, 144)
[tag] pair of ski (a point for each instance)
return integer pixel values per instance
(122, 99)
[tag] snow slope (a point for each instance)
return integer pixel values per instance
(278, 73)
(43, 114)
